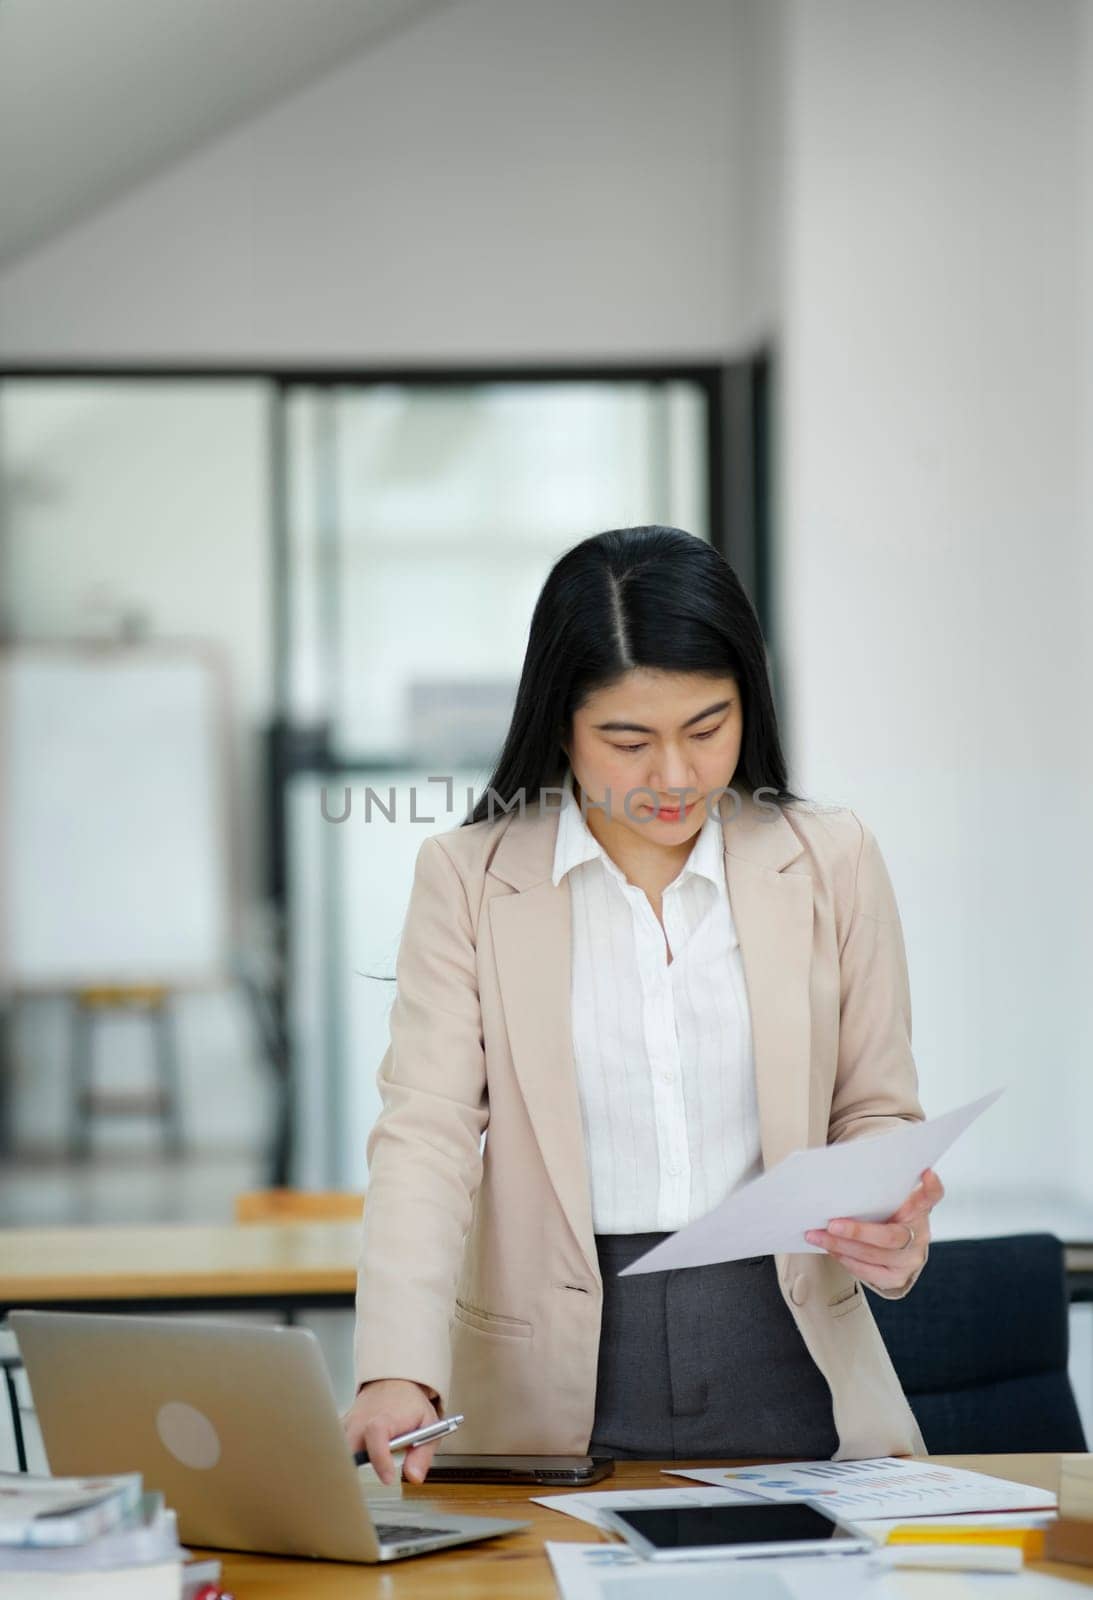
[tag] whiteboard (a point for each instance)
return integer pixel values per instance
(114, 844)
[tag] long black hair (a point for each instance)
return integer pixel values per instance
(650, 597)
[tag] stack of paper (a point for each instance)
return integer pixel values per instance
(82, 1538)
(879, 1497)
(58, 1511)
(887, 1491)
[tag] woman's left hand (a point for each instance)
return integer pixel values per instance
(884, 1255)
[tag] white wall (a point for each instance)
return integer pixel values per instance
(505, 179)
(934, 588)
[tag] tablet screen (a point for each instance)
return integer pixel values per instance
(691, 1527)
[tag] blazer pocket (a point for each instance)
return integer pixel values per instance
(491, 1322)
(848, 1301)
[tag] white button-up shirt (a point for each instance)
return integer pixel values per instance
(663, 1050)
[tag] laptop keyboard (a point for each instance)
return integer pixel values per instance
(406, 1533)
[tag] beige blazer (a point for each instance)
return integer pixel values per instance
(478, 1272)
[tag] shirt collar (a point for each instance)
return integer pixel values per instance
(576, 843)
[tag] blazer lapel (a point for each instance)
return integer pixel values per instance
(532, 948)
(772, 911)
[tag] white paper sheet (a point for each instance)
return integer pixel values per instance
(890, 1487)
(613, 1572)
(587, 1507)
(867, 1178)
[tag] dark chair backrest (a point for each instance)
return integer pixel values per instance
(980, 1346)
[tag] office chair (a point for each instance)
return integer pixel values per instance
(980, 1346)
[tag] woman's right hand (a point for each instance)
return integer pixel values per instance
(384, 1409)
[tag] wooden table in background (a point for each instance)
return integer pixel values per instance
(517, 1567)
(251, 1266)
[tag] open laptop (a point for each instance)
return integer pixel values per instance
(237, 1425)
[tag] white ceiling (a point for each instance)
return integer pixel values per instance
(97, 95)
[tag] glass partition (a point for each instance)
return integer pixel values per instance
(422, 522)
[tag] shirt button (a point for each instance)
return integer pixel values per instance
(669, 1077)
(673, 1171)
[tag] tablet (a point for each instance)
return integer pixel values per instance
(563, 1470)
(767, 1528)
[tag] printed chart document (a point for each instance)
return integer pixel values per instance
(867, 1178)
(891, 1486)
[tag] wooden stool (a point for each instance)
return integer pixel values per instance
(90, 1005)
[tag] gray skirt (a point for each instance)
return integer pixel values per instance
(705, 1362)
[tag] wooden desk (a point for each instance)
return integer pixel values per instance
(175, 1267)
(503, 1569)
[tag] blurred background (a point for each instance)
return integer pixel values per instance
(325, 329)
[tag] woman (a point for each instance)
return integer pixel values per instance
(639, 1009)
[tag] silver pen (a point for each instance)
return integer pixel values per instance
(435, 1430)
